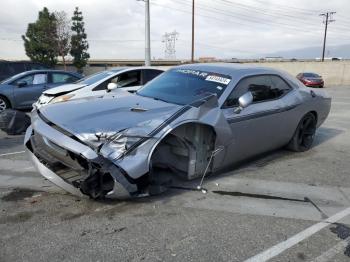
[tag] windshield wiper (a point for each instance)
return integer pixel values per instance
(156, 98)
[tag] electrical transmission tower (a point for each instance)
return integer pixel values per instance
(170, 39)
(327, 19)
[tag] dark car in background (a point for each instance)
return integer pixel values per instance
(22, 90)
(311, 79)
(10, 68)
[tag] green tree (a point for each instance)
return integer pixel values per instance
(40, 40)
(79, 44)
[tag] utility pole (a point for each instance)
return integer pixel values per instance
(192, 51)
(327, 19)
(147, 35)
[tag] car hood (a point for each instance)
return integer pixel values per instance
(63, 89)
(86, 117)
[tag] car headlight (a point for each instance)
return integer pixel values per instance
(116, 144)
(44, 99)
(62, 98)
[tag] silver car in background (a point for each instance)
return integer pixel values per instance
(189, 121)
(129, 78)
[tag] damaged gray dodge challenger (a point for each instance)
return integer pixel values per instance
(189, 121)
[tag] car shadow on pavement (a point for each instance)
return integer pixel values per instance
(323, 134)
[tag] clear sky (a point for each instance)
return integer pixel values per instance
(224, 28)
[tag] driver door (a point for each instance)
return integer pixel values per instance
(28, 89)
(263, 125)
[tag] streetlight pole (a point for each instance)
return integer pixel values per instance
(147, 35)
(192, 51)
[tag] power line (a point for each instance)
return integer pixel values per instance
(283, 7)
(241, 16)
(238, 19)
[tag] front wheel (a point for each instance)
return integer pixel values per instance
(304, 135)
(4, 104)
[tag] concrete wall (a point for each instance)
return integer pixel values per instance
(333, 72)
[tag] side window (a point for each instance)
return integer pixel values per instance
(263, 88)
(132, 78)
(258, 85)
(39, 79)
(149, 74)
(33, 79)
(27, 79)
(280, 87)
(60, 78)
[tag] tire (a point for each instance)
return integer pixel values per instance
(4, 103)
(304, 135)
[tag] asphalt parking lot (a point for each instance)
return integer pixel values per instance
(282, 206)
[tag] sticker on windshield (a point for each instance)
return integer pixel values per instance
(218, 79)
(193, 72)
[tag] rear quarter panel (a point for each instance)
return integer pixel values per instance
(319, 103)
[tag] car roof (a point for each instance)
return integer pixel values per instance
(48, 70)
(310, 73)
(127, 68)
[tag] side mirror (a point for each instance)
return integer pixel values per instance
(244, 101)
(21, 84)
(111, 86)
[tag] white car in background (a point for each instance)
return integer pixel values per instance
(128, 78)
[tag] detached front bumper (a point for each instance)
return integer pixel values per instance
(73, 166)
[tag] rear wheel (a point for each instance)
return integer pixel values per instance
(4, 104)
(304, 135)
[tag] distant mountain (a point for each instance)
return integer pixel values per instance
(313, 52)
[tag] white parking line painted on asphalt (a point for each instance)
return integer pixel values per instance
(290, 242)
(333, 251)
(13, 153)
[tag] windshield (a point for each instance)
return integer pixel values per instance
(184, 86)
(311, 75)
(89, 80)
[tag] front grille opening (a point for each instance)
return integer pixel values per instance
(97, 185)
(69, 166)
